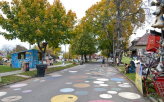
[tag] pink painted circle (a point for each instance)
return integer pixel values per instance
(79, 80)
(18, 85)
(101, 101)
(79, 76)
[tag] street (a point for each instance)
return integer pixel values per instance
(84, 83)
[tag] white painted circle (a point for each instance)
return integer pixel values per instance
(129, 95)
(106, 96)
(68, 83)
(124, 85)
(73, 71)
(56, 75)
(87, 73)
(87, 81)
(17, 89)
(42, 80)
(119, 82)
(36, 80)
(11, 98)
(112, 92)
(103, 79)
(98, 82)
(103, 84)
(3, 93)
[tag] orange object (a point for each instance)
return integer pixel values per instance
(153, 43)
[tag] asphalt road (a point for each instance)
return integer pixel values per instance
(83, 83)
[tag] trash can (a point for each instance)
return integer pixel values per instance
(27, 66)
(40, 70)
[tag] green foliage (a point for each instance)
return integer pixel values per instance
(9, 56)
(0, 58)
(36, 21)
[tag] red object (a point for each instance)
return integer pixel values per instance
(153, 43)
(159, 85)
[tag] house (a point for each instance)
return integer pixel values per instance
(139, 45)
(32, 57)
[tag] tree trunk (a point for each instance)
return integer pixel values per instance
(82, 57)
(85, 56)
(89, 57)
(43, 51)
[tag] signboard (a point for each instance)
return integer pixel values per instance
(118, 50)
(130, 52)
(138, 80)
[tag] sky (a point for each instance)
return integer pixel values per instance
(78, 6)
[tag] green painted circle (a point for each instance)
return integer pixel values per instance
(111, 83)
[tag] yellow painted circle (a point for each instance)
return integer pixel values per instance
(81, 85)
(64, 98)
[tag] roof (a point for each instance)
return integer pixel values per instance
(24, 51)
(136, 39)
(143, 40)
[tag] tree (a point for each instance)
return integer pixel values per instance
(7, 48)
(36, 21)
(54, 52)
(83, 44)
(18, 48)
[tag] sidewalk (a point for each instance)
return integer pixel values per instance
(31, 69)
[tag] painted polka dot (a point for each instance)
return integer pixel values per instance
(111, 82)
(81, 85)
(17, 89)
(11, 98)
(119, 82)
(103, 84)
(112, 92)
(67, 90)
(116, 89)
(129, 95)
(103, 79)
(18, 85)
(87, 81)
(81, 92)
(73, 71)
(64, 98)
(100, 101)
(98, 82)
(79, 80)
(117, 79)
(36, 80)
(99, 89)
(106, 96)
(87, 73)
(79, 77)
(56, 75)
(42, 80)
(26, 91)
(124, 85)
(3, 93)
(68, 83)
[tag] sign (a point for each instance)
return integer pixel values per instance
(118, 50)
(130, 52)
(138, 80)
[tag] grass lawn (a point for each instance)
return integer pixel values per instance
(12, 78)
(150, 86)
(7, 69)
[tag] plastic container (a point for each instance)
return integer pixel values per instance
(41, 70)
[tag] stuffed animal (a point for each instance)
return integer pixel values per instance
(159, 22)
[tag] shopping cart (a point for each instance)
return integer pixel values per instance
(159, 85)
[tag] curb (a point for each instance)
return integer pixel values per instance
(27, 78)
(150, 98)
